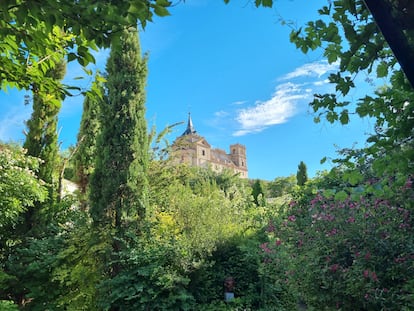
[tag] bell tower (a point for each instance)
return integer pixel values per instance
(238, 156)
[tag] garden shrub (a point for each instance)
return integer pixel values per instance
(353, 248)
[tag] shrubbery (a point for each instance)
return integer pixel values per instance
(349, 248)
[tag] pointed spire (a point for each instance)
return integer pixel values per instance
(190, 128)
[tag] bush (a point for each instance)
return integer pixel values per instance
(7, 305)
(353, 249)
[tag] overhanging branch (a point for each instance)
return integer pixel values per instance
(393, 33)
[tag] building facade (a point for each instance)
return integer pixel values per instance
(193, 149)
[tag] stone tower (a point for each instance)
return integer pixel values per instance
(238, 155)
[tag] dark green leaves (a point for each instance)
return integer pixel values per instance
(34, 34)
(344, 117)
(382, 69)
(265, 3)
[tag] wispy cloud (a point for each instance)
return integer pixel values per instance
(321, 82)
(285, 101)
(12, 123)
(277, 110)
(221, 114)
(239, 102)
(317, 69)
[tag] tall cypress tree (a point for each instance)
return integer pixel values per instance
(42, 139)
(84, 158)
(119, 185)
(302, 174)
(257, 190)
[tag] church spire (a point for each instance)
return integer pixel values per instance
(190, 128)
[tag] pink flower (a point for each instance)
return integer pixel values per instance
(278, 242)
(408, 184)
(366, 273)
(374, 277)
(265, 248)
(332, 232)
(351, 220)
(367, 256)
(334, 267)
(352, 205)
(292, 218)
(271, 227)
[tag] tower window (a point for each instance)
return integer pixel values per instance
(203, 152)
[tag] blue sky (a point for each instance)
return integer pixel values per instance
(233, 67)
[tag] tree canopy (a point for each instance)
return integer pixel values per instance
(35, 35)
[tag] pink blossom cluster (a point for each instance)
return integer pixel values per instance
(265, 248)
(370, 275)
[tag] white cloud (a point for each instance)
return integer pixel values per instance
(321, 82)
(12, 123)
(317, 69)
(288, 99)
(221, 114)
(277, 110)
(239, 102)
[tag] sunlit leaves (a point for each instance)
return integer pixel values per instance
(31, 34)
(382, 69)
(19, 185)
(349, 36)
(160, 8)
(353, 177)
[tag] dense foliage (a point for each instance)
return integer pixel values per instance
(85, 152)
(34, 36)
(42, 142)
(155, 235)
(350, 247)
(20, 187)
(119, 182)
(302, 174)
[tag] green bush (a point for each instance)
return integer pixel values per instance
(352, 249)
(7, 305)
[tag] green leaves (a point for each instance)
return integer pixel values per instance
(19, 185)
(264, 3)
(353, 177)
(160, 8)
(350, 239)
(341, 196)
(344, 117)
(382, 69)
(348, 35)
(56, 28)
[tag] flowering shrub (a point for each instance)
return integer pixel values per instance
(350, 250)
(19, 185)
